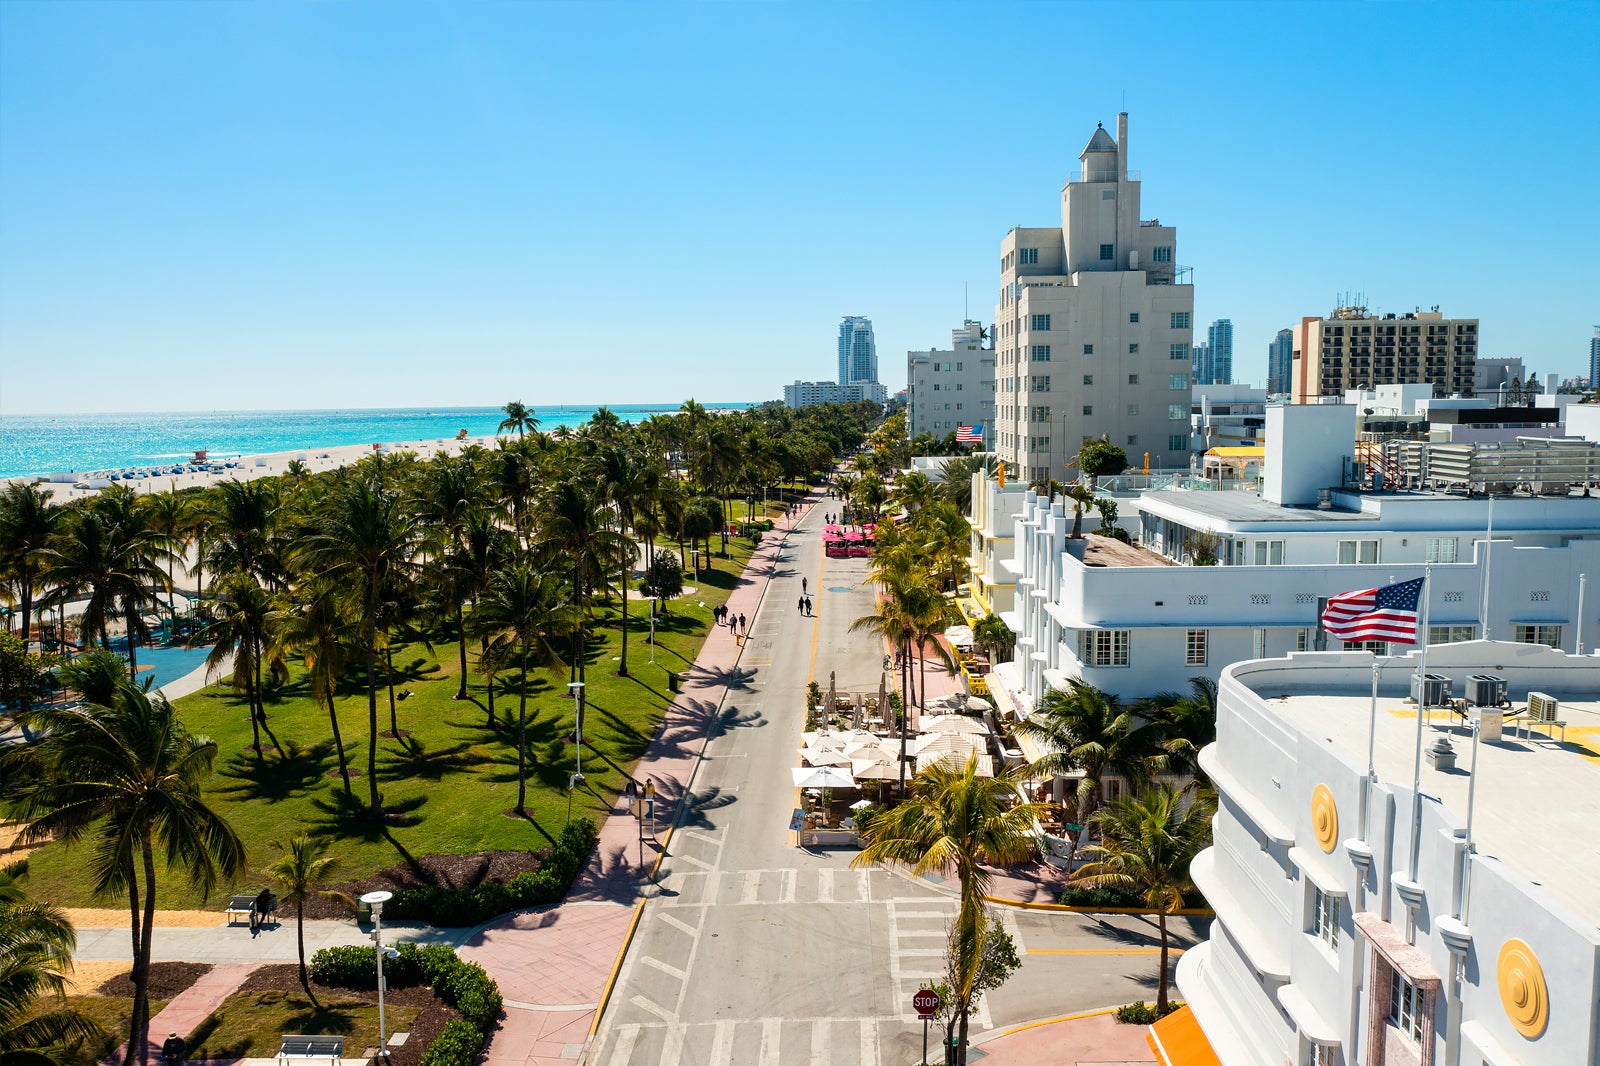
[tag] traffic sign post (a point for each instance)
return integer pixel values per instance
(927, 1003)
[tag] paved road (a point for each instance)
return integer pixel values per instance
(755, 951)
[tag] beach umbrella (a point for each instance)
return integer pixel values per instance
(883, 695)
(959, 635)
(825, 756)
(822, 777)
(955, 760)
(947, 743)
(979, 704)
(953, 723)
(875, 769)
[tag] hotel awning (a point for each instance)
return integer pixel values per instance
(1178, 1040)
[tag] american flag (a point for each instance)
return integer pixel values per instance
(969, 434)
(1388, 613)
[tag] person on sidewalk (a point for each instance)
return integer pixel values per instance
(802, 605)
(803, 587)
(744, 627)
(174, 1050)
(808, 606)
(266, 904)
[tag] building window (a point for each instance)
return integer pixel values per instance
(958, 367)
(1028, 256)
(1041, 414)
(1323, 1055)
(1176, 411)
(1302, 640)
(1441, 549)
(1325, 917)
(1133, 410)
(1450, 634)
(1104, 647)
(1108, 251)
(1550, 635)
(1133, 439)
(1133, 317)
(1405, 1007)
(1088, 409)
(1176, 443)
(1376, 647)
(1358, 551)
(1258, 643)
(1180, 320)
(1178, 351)
(1040, 352)
(1133, 379)
(1088, 349)
(1161, 254)
(1088, 379)
(1194, 647)
(1041, 321)
(1133, 349)
(1041, 383)
(1269, 553)
(1177, 382)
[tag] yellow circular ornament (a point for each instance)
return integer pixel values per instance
(1522, 989)
(1325, 818)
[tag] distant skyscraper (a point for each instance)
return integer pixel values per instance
(858, 351)
(1280, 361)
(1201, 365)
(1220, 337)
(1594, 360)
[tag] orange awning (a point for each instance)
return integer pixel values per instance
(1178, 1041)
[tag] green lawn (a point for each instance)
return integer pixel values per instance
(250, 1025)
(112, 1012)
(453, 778)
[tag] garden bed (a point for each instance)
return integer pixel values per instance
(459, 872)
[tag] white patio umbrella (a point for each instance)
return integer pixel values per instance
(953, 760)
(959, 635)
(954, 723)
(875, 769)
(825, 756)
(948, 743)
(978, 703)
(822, 777)
(858, 718)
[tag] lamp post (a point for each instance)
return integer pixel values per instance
(652, 600)
(375, 902)
(577, 695)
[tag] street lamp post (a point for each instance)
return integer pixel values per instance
(375, 902)
(652, 600)
(577, 695)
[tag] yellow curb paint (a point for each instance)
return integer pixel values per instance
(1057, 1021)
(616, 968)
(1101, 951)
(1187, 912)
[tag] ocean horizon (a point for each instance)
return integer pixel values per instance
(34, 445)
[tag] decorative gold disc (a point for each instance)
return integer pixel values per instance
(1325, 818)
(1522, 989)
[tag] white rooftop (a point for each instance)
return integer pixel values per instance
(1538, 798)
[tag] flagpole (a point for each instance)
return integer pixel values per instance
(1422, 700)
(1483, 614)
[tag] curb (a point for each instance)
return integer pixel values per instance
(616, 969)
(1096, 1012)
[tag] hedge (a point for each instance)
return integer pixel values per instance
(469, 906)
(1116, 897)
(463, 985)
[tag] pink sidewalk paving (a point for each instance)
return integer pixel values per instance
(185, 1011)
(555, 965)
(1096, 1038)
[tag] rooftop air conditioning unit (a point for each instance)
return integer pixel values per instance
(1430, 690)
(1486, 690)
(1325, 499)
(1543, 707)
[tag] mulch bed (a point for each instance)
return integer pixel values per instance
(423, 1030)
(167, 979)
(448, 871)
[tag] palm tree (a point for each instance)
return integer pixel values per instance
(36, 944)
(450, 496)
(484, 546)
(519, 418)
(313, 628)
(169, 517)
(126, 779)
(246, 516)
(137, 550)
(891, 622)
(241, 627)
(956, 822)
(520, 606)
(301, 871)
(1084, 728)
(626, 481)
(28, 521)
(572, 526)
(364, 541)
(1147, 843)
(1188, 721)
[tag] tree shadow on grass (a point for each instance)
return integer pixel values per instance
(297, 772)
(410, 758)
(346, 817)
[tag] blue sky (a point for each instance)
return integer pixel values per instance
(252, 205)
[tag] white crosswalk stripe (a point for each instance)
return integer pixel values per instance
(633, 1045)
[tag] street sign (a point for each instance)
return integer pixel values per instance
(797, 821)
(927, 1003)
(1074, 827)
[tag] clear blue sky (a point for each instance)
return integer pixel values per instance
(261, 205)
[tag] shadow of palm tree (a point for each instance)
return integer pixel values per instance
(731, 717)
(338, 815)
(410, 758)
(298, 771)
(735, 677)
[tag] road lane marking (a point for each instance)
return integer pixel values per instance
(651, 1007)
(825, 885)
(771, 1040)
(722, 1045)
(692, 861)
(622, 1052)
(864, 884)
(752, 886)
(672, 1050)
(1101, 951)
(869, 1042)
(679, 924)
(821, 1040)
(786, 893)
(670, 971)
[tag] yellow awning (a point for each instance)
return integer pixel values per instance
(1178, 1040)
(1239, 452)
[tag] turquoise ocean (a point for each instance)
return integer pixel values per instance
(45, 444)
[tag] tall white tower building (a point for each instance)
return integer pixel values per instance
(1094, 327)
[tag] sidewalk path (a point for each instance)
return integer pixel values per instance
(1097, 1038)
(235, 943)
(554, 965)
(190, 1007)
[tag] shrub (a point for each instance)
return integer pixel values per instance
(1141, 1013)
(1115, 897)
(457, 1045)
(356, 967)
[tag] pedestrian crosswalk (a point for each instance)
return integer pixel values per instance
(696, 884)
(757, 1041)
(918, 931)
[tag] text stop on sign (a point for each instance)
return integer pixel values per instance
(926, 1001)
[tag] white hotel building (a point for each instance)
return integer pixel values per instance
(1135, 620)
(1336, 941)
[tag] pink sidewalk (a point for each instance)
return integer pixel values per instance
(1097, 1038)
(555, 965)
(190, 1007)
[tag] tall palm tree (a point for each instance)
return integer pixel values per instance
(301, 871)
(519, 418)
(1189, 722)
(138, 549)
(1147, 843)
(483, 548)
(28, 521)
(891, 622)
(956, 822)
(240, 625)
(521, 606)
(244, 533)
(363, 541)
(169, 517)
(313, 627)
(127, 779)
(36, 944)
(626, 481)
(572, 526)
(451, 494)
(1084, 728)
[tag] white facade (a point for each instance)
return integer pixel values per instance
(953, 388)
(1345, 935)
(993, 520)
(1093, 328)
(1224, 415)
(810, 393)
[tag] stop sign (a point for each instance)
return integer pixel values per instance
(926, 1001)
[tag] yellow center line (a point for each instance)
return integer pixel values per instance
(1101, 951)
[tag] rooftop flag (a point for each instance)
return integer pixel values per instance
(969, 434)
(1387, 613)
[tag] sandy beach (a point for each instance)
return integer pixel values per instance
(250, 467)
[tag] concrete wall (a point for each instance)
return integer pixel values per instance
(1309, 446)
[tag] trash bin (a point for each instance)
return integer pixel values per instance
(673, 681)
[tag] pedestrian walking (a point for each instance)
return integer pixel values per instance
(803, 588)
(744, 626)
(802, 605)
(733, 623)
(808, 605)
(175, 1050)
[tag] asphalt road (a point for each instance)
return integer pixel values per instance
(756, 951)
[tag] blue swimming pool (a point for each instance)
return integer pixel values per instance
(169, 664)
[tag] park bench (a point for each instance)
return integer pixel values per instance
(311, 1047)
(240, 905)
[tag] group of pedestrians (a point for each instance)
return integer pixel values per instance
(804, 602)
(736, 623)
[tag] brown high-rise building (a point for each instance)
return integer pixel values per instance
(1351, 349)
